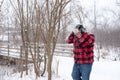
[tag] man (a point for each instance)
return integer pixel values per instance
(83, 52)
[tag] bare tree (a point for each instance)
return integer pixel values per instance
(55, 12)
(79, 12)
(40, 23)
(1, 3)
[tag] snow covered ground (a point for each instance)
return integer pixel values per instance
(103, 70)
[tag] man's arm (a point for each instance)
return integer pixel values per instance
(86, 40)
(89, 40)
(70, 38)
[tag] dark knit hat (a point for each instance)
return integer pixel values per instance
(80, 28)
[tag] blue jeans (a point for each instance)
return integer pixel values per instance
(81, 71)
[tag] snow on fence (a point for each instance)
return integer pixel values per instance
(11, 52)
(64, 49)
(61, 49)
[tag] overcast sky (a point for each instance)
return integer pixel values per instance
(101, 6)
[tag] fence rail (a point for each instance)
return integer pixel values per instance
(61, 49)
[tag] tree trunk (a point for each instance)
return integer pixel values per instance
(49, 67)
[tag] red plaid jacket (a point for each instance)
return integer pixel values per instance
(83, 48)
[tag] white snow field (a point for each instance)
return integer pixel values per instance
(102, 70)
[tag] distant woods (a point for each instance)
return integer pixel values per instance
(106, 29)
(108, 37)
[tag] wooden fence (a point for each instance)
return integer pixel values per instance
(61, 49)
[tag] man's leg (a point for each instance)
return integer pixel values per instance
(76, 75)
(85, 71)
